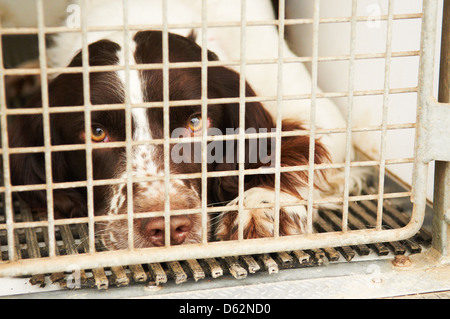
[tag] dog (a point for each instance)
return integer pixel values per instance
(107, 48)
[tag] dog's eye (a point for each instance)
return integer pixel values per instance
(195, 123)
(99, 135)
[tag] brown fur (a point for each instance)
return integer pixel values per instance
(185, 84)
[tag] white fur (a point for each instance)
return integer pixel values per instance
(257, 197)
(141, 153)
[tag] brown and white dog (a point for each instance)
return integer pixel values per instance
(108, 88)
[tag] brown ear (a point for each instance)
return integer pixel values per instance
(294, 150)
(224, 83)
(26, 131)
(29, 168)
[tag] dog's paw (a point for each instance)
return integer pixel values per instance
(258, 222)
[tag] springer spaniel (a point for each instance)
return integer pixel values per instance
(108, 88)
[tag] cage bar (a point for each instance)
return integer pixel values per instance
(61, 29)
(242, 94)
(87, 125)
(312, 120)
(441, 200)
(279, 117)
(204, 113)
(46, 122)
(8, 205)
(128, 125)
(387, 74)
(144, 66)
(165, 41)
(351, 79)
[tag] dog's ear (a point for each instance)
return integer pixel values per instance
(28, 131)
(29, 169)
(259, 152)
(225, 83)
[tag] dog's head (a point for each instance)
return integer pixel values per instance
(146, 124)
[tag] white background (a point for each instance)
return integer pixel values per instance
(334, 39)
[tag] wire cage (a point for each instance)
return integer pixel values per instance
(34, 244)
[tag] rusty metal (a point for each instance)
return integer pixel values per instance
(195, 269)
(157, 273)
(251, 264)
(348, 234)
(213, 267)
(441, 207)
(71, 240)
(401, 261)
(177, 272)
(269, 264)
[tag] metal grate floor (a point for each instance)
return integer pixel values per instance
(33, 243)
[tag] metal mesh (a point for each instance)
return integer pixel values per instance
(71, 240)
(334, 233)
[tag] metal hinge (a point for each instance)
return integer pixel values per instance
(436, 127)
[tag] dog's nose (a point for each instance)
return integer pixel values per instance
(180, 227)
(154, 229)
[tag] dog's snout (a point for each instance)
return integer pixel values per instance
(154, 229)
(151, 231)
(180, 227)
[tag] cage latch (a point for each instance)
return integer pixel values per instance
(437, 130)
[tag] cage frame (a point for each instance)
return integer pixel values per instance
(54, 263)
